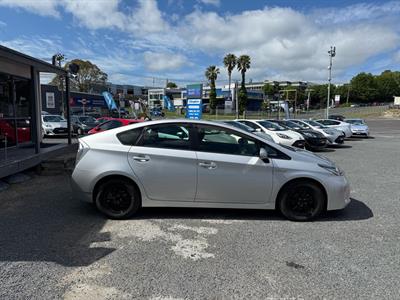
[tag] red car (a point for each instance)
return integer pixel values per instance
(112, 123)
(23, 130)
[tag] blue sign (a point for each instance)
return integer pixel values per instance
(194, 91)
(194, 109)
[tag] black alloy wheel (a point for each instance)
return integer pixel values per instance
(118, 199)
(302, 201)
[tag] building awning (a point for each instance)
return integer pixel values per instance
(11, 55)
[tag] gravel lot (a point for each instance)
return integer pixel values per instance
(52, 246)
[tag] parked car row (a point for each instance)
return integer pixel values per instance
(55, 125)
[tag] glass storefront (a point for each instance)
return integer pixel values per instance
(15, 111)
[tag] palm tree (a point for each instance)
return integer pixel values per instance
(211, 75)
(243, 64)
(230, 64)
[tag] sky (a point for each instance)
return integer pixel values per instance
(147, 41)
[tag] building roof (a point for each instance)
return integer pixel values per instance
(40, 65)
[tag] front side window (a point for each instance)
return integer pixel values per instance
(220, 140)
(169, 136)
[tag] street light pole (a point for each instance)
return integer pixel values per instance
(332, 54)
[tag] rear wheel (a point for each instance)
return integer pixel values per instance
(301, 201)
(118, 199)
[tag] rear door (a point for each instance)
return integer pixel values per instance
(229, 167)
(165, 163)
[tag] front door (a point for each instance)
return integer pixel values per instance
(164, 162)
(229, 167)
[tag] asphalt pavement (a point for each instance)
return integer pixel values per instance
(52, 246)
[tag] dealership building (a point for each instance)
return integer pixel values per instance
(20, 110)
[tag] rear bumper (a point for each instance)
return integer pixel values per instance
(79, 193)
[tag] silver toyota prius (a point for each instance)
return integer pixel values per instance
(189, 163)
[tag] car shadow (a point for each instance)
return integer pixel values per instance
(340, 146)
(355, 211)
(50, 225)
(324, 150)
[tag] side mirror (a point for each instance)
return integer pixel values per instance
(264, 155)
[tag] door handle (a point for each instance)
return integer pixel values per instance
(141, 158)
(208, 165)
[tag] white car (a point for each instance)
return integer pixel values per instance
(54, 125)
(335, 137)
(338, 125)
(279, 134)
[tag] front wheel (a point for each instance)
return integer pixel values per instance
(118, 199)
(301, 201)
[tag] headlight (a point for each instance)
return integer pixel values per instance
(309, 134)
(333, 169)
(284, 136)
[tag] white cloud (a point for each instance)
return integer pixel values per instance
(356, 12)
(40, 7)
(96, 14)
(211, 2)
(161, 61)
(3, 24)
(287, 42)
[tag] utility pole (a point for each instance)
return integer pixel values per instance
(237, 99)
(332, 54)
(348, 94)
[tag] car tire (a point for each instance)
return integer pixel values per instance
(301, 201)
(118, 199)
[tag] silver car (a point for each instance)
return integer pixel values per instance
(334, 137)
(189, 163)
(54, 125)
(338, 125)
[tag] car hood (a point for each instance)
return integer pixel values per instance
(56, 124)
(305, 155)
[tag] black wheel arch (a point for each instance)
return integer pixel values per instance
(109, 177)
(302, 179)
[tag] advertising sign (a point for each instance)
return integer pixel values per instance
(194, 109)
(194, 91)
(50, 101)
(337, 100)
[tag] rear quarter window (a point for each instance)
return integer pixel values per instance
(129, 137)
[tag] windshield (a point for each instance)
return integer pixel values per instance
(315, 124)
(87, 119)
(355, 122)
(271, 126)
(53, 119)
(240, 126)
(292, 125)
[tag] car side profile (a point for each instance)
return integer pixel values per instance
(338, 125)
(189, 163)
(278, 133)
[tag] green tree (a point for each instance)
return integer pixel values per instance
(230, 64)
(171, 85)
(89, 75)
(243, 64)
(388, 85)
(364, 88)
(270, 90)
(211, 75)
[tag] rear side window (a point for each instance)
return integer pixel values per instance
(129, 137)
(168, 136)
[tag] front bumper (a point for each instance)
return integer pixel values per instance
(299, 144)
(338, 192)
(56, 131)
(360, 132)
(316, 143)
